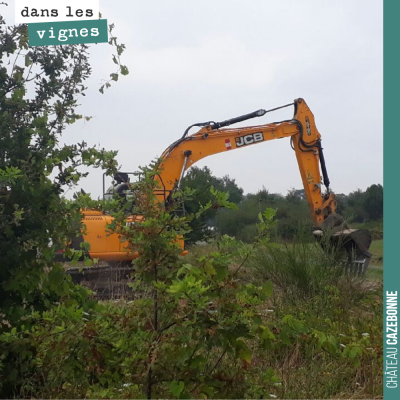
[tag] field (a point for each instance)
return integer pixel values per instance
(322, 338)
(302, 377)
(348, 312)
(377, 252)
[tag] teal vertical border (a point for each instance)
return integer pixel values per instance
(391, 218)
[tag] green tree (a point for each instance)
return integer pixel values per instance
(354, 208)
(292, 214)
(201, 180)
(295, 196)
(373, 202)
(195, 315)
(361, 206)
(39, 92)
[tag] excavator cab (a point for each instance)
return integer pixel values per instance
(121, 186)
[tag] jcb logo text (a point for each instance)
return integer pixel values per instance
(249, 139)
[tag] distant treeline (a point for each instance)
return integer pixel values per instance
(358, 207)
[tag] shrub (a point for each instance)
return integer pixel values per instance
(189, 332)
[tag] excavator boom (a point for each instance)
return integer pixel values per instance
(211, 139)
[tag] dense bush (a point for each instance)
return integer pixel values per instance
(204, 326)
(190, 320)
(39, 92)
(311, 351)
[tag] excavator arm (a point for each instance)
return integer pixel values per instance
(212, 139)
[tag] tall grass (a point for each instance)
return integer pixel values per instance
(303, 270)
(311, 286)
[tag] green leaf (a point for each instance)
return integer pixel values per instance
(269, 214)
(221, 272)
(88, 262)
(209, 269)
(266, 333)
(124, 70)
(176, 388)
(28, 60)
(243, 352)
(268, 288)
(285, 337)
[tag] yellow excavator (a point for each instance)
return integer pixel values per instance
(213, 138)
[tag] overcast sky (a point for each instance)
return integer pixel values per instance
(193, 61)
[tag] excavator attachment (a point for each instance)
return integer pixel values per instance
(350, 245)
